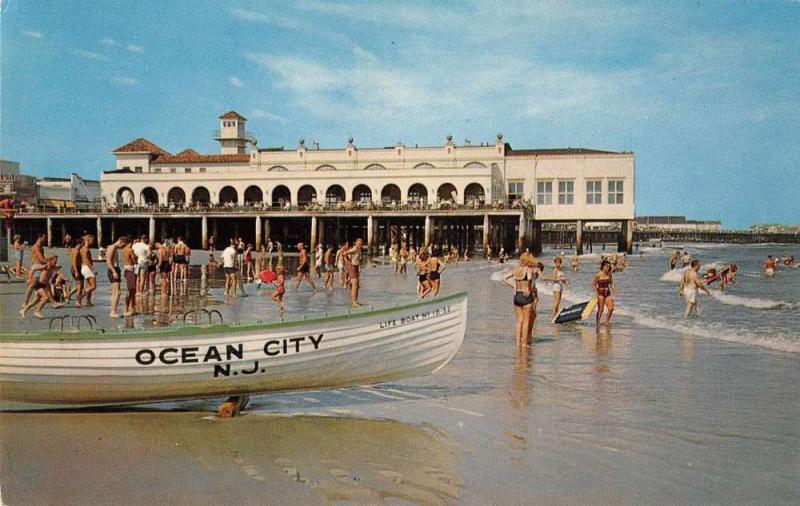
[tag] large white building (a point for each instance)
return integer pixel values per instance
(487, 189)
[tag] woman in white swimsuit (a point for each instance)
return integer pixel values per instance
(560, 282)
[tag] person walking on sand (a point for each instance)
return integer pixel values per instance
(691, 283)
(523, 280)
(37, 263)
(604, 287)
(354, 269)
(42, 276)
(114, 274)
(229, 267)
(304, 268)
(560, 283)
(75, 270)
(88, 270)
(435, 269)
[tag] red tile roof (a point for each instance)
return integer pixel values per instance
(141, 145)
(232, 115)
(190, 156)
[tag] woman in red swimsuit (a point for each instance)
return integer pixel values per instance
(604, 287)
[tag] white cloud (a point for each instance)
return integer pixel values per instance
(35, 35)
(258, 113)
(362, 53)
(235, 82)
(87, 54)
(126, 81)
(259, 17)
(107, 42)
(133, 48)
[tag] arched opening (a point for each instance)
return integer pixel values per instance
(326, 167)
(474, 165)
(375, 166)
(334, 195)
(281, 196)
(277, 168)
(390, 193)
(418, 194)
(306, 195)
(125, 196)
(201, 196)
(253, 194)
(474, 192)
(149, 196)
(447, 192)
(424, 166)
(228, 195)
(176, 196)
(362, 193)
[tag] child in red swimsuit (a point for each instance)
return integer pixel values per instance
(280, 288)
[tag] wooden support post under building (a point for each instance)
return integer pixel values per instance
(321, 231)
(536, 238)
(428, 230)
(627, 227)
(233, 406)
(486, 229)
(49, 232)
(258, 232)
(313, 241)
(99, 232)
(370, 234)
(267, 230)
(579, 237)
(151, 229)
(204, 233)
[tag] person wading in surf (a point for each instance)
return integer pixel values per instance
(690, 284)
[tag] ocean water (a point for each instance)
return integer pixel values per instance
(653, 408)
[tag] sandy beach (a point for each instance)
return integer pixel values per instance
(638, 412)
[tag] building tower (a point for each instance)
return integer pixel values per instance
(232, 135)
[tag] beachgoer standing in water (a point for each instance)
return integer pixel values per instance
(88, 270)
(690, 284)
(114, 275)
(423, 266)
(19, 255)
(604, 287)
(75, 270)
(354, 269)
(280, 288)
(525, 296)
(435, 269)
(560, 282)
(130, 263)
(38, 262)
(328, 260)
(229, 267)
(673, 260)
(303, 268)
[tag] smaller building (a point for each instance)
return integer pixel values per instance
(775, 229)
(70, 192)
(676, 224)
(14, 184)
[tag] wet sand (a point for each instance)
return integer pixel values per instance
(633, 413)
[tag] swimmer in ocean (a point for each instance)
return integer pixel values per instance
(690, 285)
(769, 267)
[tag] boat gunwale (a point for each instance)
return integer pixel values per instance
(208, 330)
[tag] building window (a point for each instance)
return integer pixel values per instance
(126, 168)
(157, 170)
(615, 191)
(137, 169)
(515, 190)
(172, 170)
(566, 192)
(544, 193)
(188, 170)
(594, 192)
(202, 169)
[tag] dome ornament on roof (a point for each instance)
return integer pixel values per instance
(302, 142)
(349, 140)
(499, 136)
(449, 138)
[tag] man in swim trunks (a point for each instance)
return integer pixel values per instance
(303, 268)
(88, 270)
(354, 269)
(114, 274)
(690, 284)
(769, 267)
(75, 269)
(42, 288)
(37, 264)
(130, 261)
(229, 267)
(141, 248)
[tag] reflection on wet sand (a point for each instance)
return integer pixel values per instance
(519, 395)
(256, 459)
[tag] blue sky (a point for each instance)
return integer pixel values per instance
(707, 94)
